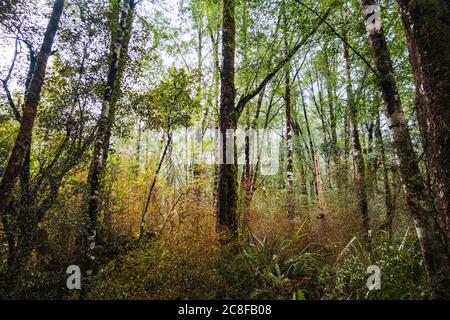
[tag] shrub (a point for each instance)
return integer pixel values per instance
(402, 270)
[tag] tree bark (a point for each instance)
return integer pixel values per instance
(216, 94)
(432, 240)
(388, 201)
(311, 144)
(117, 87)
(289, 157)
(298, 133)
(358, 160)
(227, 222)
(23, 139)
(427, 25)
(246, 173)
(102, 140)
(152, 187)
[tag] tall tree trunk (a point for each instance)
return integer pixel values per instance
(138, 148)
(358, 160)
(325, 128)
(431, 238)
(289, 157)
(388, 201)
(371, 180)
(22, 221)
(259, 150)
(346, 154)
(25, 210)
(23, 139)
(103, 135)
(427, 25)
(118, 84)
(216, 94)
(331, 93)
(298, 133)
(246, 182)
(152, 186)
(302, 172)
(311, 145)
(199, 93)
(227, 221)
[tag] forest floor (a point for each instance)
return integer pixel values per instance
(317, 255)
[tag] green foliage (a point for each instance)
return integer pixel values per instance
(159, 88)
(170, 104)
(400, 262)
(280, 269)
(161, 270)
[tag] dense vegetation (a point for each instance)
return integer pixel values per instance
(114, 153)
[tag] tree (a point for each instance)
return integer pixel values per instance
(428, 230)
(358, 159)
(23, 139)
(102, 139)
(229, 113)
(427, 27)
(388, 200)
(166, 107)
(227, 185)
(289, 148)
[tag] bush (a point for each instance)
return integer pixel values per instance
(281, 270)
(402, 270)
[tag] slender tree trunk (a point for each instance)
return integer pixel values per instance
(138, 148)
(200, 61)
(23, 139)
(289, 160)
(254, 126)
(358, 160)
(346, 152)
(371, 180)
(259, 150)
(195, 166)
(388, 201)
(331, 96)
(333, 145)
(216, 94)
(21, 220)
(302, 172)
(427, 25)
(152, 187)
(433, 240)
(103, 135)
(325, 130)
(246, 182)
(227, 221)
(319, 182)
(118, 84)
(311, 145)
(298, 133)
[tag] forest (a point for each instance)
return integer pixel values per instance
(224, 149)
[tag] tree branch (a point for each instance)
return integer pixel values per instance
(244, 99)
(338, 35)
(5, 83)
